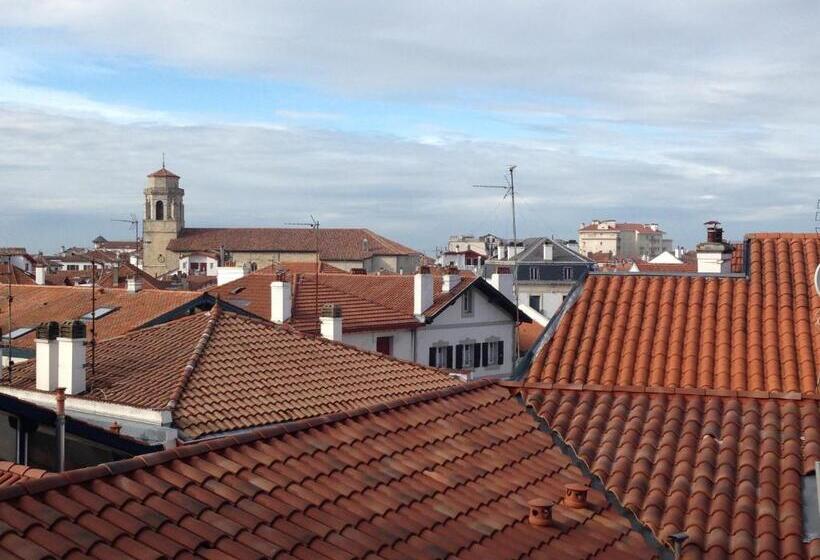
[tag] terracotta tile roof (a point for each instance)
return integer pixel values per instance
(12, 473)
(335, 244)
(725, 470)
(369, 302)
(738, 355)
(163, 173)
(665, 267)
(10, 274)
(219, 371)
(128, 245)
(106, 280)
(34, 304)
(446, 474)
(528, 333)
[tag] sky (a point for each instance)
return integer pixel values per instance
(384, 114)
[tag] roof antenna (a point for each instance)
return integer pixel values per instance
(509, 190)
(314, 225)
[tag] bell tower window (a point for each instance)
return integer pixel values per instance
(159, 214)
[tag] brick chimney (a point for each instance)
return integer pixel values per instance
(280, 300)
(46, 356)
(450, 279)
(714, 255)
(71, 357)
(422, 290)
(331, 322)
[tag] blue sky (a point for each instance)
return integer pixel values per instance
(382, 116)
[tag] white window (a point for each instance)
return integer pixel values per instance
(535, 273)
(492, 353)
(467, 355)
(568, 273)
(467, 303)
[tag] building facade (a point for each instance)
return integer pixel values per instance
(622, 240)
(546, 269)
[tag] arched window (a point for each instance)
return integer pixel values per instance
(160, 212)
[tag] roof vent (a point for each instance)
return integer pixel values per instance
(540, 512)
(576, 496)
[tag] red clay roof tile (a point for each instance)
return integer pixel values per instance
(218, 371)
(448, 473)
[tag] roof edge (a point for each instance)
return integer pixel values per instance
(60, 480)
(216, 312)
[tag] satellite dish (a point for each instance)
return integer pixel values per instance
(817, 279)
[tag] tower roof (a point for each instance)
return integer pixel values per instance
(163, 173)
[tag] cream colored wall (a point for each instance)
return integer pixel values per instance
(598, 242)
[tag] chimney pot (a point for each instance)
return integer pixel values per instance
(115, 428)
(540, 512)
(422, 290)
(280, 301)
(331, 322)
(60, 401)
(576, 496)
(71, 357)
(132, 284)
(46, 357)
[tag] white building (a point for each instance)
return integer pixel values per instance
(452, 321)
(622, 240)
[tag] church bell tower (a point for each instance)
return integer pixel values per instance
(163, 221)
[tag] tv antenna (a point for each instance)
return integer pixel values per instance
(509, 191)
(10, 299)
(314, 225)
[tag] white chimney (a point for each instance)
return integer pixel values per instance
(422, 290)
(547, 251)
(46, 356)
(502, 281)
(331, 322)
(714, 255)
(71, 357)
(280, 301)
(450, 279)
(132, 284)
(40, 273)
(225, 274)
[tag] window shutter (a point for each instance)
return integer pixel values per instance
(459, 356)
(476, 355)
(484, 353)
(500, 352)
(449, 357)
(433, 356)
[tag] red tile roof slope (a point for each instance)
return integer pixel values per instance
(34, 304)
(10, 274)
(126, 270)
(666, 267)
(528, 334)
(445, 474)
(13, 473)
(722, 333)
(369, 302)
(735, 352)
(335, 244)
(163, 173)
(218, 371)
(725, 470)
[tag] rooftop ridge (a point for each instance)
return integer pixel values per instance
(685, 391)
(59, 480)
(215, 313)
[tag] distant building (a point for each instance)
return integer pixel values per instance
(622, 240)
(167, 239)
(547, 271)
(453, 321)
(484, 245)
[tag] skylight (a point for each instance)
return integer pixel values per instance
(17, 333)
(99, 313)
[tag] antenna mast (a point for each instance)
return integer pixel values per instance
(314, 225)
(135, 224)
(509, 190)
(8, 335)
